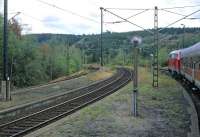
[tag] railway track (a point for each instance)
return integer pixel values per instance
(65, 105)
(27, 109)
(53, 82)
(194, 94)
(192, 91)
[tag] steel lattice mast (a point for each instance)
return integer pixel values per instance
(155, 56)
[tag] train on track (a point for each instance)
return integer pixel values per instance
(186, 63)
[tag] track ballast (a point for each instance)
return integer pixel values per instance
(62, 108)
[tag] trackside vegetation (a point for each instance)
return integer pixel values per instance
(159, 113)
(39, 58)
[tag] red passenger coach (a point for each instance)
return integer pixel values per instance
(186, 62)
(190, 63)
(174, 62)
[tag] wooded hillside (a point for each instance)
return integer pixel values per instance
(38, 58)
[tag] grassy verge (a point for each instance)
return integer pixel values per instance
(39, 93)
(162, 112)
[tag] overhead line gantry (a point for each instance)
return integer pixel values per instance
(156, 29)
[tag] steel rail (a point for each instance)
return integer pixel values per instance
(193, 93)
(39, 119)
(27, 109)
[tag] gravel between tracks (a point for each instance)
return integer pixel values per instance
(53, 89)
(163, 112)
(67, 104)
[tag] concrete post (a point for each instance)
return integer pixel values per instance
(8, 94)
(3, 90)
(135, 81)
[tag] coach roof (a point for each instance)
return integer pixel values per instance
(174, 52)
(191, 51)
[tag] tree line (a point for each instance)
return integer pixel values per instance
(39, 58)
(32, 62)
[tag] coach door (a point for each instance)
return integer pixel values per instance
(193, 70)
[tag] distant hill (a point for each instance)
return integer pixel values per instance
(54, 38)
(114, 43)
(38, 58)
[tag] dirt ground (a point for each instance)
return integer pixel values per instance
(162, 113)
(34, 94)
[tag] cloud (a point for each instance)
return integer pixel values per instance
(56, 24)
(1, 6)
(62, 26)
(52, 20)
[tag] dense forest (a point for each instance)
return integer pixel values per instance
(39, 58)
(33, 62)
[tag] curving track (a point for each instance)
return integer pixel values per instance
(193, 93)
(65, 105)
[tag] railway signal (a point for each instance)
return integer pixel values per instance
(135, 41)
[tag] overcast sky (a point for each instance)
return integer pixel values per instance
(38, 17)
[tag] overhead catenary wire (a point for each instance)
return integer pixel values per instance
(179, 14)
(25, 14)
(163, 37)
(181, 7)
(193, 18)
(127, 9)
(192, 6)
(68, 11)
(16, 14)
(128, 17)
(179, 20)
(172, 12)
(164, 9)
(128, 21)
(32, 17)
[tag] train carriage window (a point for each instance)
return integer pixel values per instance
(198, 61)
(173, 56)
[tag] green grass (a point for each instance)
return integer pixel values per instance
(112, 115)
(168, 97)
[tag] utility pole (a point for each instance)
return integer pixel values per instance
(155, 59)
(183, 45)
(51, 63)
(124, 56)
(68, 62)
(107, 56)
(5, 84)
(85, 56)
(101, 41)
(82, 57)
